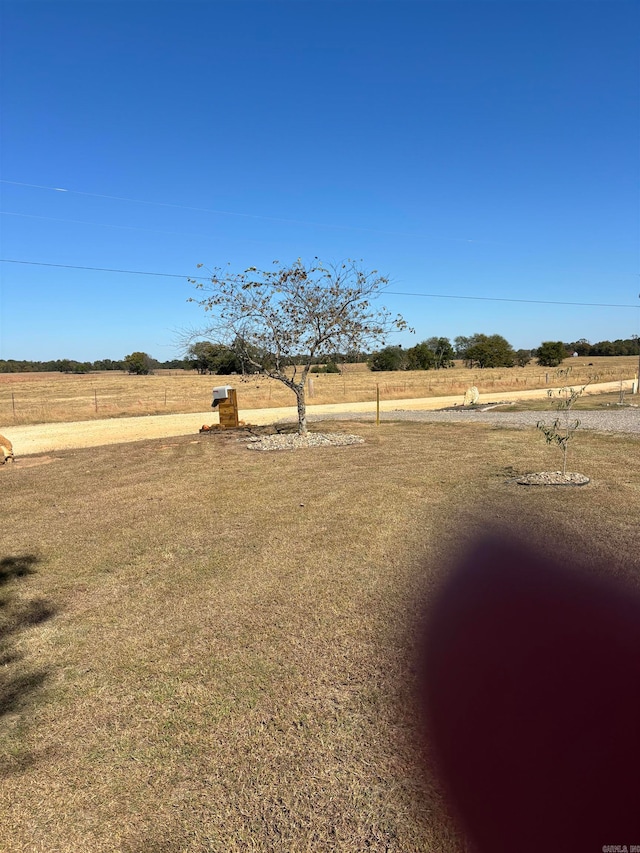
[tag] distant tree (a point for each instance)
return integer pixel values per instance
(626, 346)
(329, 367)
(581, 346)
(306, 312)
(420, 357)
(389, 358)
(603, 348)
(442, 350)
(487, 351)
(523, 357)
(108, 364)
(174, 364)
(551, 353)
(139, 363)
(353, 356)
(200, 356)
(461, 345)
(250, 355)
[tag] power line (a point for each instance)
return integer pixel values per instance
(100, 269)
(390, 292)
(100, 224)
(235, 213)
(508, 299)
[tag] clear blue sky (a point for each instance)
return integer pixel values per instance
(486, 149)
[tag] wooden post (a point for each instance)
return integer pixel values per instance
(228, 410)
(95, 398)
(377, 405)
(13, 403)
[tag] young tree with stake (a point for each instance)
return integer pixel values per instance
(304, 311)
(563, 427)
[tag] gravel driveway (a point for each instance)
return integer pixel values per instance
(614, 420)
(46, 438)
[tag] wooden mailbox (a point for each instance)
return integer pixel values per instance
(226, 401)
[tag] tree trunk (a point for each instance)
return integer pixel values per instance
(302, 409)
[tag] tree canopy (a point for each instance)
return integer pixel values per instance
(551, 353)
(523, 357)
(282, 321)
(443, 353)
(432, 353)
(206, 357)
(389, 358)
(485, 350)
(139, 363)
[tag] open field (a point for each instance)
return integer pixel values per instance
(27, 398)
(207, 649)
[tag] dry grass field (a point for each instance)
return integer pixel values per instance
(208, 649)
(53, 397)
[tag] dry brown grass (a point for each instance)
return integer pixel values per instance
(49, 397)
(590, 402)
(219, 650)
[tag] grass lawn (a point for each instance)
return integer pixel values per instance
(210, 649)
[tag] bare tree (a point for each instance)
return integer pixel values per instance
(281, 321)
(563, 427)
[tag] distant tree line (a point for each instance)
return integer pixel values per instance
(68, 365)
(210, 358)
(477, 350)
(481, 351)
(627, 346)
(434, 353)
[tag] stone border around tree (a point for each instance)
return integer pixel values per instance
(552, 478)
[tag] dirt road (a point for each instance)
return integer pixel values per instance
(45, 438)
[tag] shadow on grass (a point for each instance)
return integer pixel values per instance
(19, 683)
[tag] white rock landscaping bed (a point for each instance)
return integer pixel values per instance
(553, 478)
(293, 441)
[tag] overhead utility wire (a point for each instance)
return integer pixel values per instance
(102, 269)
(234, 213)
(508, 299)
(390, 292)
(100, 224)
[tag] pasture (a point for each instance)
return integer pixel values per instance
(27, 398)
(209, 649)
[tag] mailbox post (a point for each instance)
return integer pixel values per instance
(225, 400)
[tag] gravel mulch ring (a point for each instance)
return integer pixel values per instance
(295, 441)
(479, 407)
(553, 478)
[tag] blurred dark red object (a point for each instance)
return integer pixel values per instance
(530, 677)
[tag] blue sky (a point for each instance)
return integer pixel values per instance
(483, 148)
